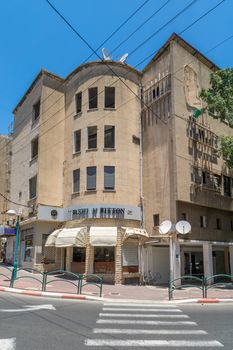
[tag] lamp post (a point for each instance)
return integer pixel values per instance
(12, 212)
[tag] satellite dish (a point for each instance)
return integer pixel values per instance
(124, 58)
(106, 54)
(183, 227)
(165, 227)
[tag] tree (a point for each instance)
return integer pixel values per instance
(219, 101)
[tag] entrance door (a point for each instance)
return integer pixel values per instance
(194, 264)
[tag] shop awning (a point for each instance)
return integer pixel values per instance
(68, 237)
(103, 236)
(133, 231)
(51, 240)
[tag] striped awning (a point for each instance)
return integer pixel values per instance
(103, 236)
(68, 237)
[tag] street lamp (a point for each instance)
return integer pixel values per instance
(12, 212)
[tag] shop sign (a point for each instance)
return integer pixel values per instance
(118, 213)
(6, 231)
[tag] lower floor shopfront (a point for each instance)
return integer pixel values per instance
(192, 258)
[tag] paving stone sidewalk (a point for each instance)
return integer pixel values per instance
(159, 293)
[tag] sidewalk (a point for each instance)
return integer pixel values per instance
(115, 292)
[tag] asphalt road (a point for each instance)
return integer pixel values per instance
(32, 323)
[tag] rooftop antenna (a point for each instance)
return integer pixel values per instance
(106, 54)
(124, 58)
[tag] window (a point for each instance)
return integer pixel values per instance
(109, 136)
(78, 98)
(104, 254)
(92, 137)
(34, 147)
(79, 254)
(109, 97)
(218, 224)
(32, 187)
(76, 180)
(183, 216)
(227, 186)
(93, 97)
(91, 178)
(156, 219)
(136, 140)
(204, 177)
(202, 221)
(109, 177)
(77, 141)
(28, 253)
(36, 111)
(231, 225)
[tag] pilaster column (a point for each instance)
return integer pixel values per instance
(231, 259)
(208, 260)
(89, 263)
(118, 259)
(175, 266)
(69, 258)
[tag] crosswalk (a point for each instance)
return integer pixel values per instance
(147, 325)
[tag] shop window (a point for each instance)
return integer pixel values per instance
(36, 111)
(156, 219)
(218, 224)
(109, 97)
(227, 186)
(28, 252)
(32, 187)
(34, 147)
(109, 177)
(104, 254)
(92, 137)
(203, 221)
(76, 181)
(93, 98)
(91, 178)
(78, 99)
(109, 136)
(79, 254)
(77, 141)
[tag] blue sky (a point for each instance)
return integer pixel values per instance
(34, 37)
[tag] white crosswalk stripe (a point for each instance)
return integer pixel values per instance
(147, 325)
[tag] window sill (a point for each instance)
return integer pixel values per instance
(78, 115)
(91, 149)
(109, 109)
(109, 149)
(90, 191)
(75, 194)
(92, 110)
(111, 191)
(76, 154)
(33, 160)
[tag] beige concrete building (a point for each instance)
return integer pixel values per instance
(102, 170)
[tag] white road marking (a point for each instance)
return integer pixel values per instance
(157, 323)
(30, 308)
(8, 344)
(142, 305)
(144, 343)
(142, 315)
(147, 331)
(140, 309)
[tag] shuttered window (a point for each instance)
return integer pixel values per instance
(130, 254)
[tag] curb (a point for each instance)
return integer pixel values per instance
(103, 299)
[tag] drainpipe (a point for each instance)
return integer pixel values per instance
(141, 181)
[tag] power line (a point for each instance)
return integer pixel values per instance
(64, 81)
(154, 53)
(139, 27)
(9, 200)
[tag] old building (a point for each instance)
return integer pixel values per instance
(101, 169)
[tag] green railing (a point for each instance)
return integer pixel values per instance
(93, 280)
(14, 279)
(45, 278)
(204, 283)
(63, 274)
(177, 284)
(217, 280)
